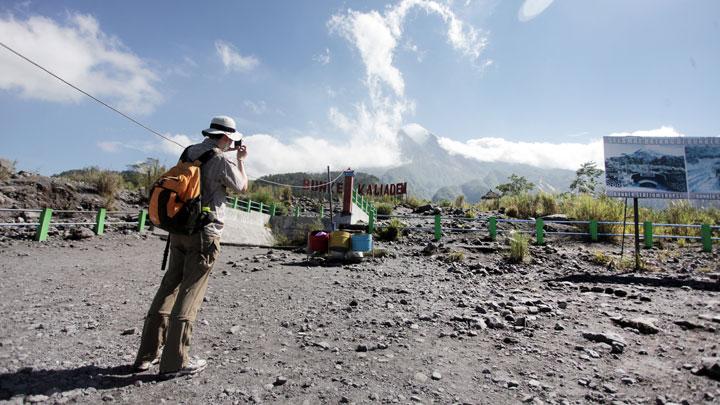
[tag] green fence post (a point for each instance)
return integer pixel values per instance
(235, 201)
(706, 233)
(297, 211)
(492, 227)
(539, 231)
(438, 227)
(273, 207)
(261, 207)
(100, 222)
(42, 229)
(648, 232)
(141, 220)
(249, 205)
(594, 230)
(371, 222)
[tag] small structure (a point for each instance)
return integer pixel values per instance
(490, 195)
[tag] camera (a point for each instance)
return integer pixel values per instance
(237, 144)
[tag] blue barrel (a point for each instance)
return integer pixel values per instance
(362, 242)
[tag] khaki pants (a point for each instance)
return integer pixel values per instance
(172, 312)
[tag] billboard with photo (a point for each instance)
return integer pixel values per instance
(662, 167)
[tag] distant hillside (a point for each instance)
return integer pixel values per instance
(432, 172)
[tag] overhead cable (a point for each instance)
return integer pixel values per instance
(126, 116)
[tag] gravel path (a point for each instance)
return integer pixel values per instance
(408, 328)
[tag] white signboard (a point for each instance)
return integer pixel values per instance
(662, 167)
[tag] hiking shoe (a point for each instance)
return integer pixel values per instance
(145, 365)
(193, 367)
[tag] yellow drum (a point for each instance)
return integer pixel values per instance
(340, 241)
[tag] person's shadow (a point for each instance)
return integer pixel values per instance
(28, 381)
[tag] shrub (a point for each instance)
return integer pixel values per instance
(600, 258)
(444, 203)
(7, 169)
(263, 195)
(390, 232)
(511, 211)
(459, 201)
(519, 247)
(548, 204)
(107, 183)
(384, 209)
(414, 202)
(455, 257)
(285, 194)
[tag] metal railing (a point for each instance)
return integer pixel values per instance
(46, 220)
(593, 234)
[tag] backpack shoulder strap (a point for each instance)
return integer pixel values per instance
(205, 157)
(184, 155)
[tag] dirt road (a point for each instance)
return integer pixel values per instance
(412, 328)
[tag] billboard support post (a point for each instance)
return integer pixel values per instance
(637, 233)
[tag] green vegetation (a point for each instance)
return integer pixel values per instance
(587, 178)
(519, 247)
(455, 257)
(7, 169)
(600, 258)
(414, 202)
(384, 209)
(390, 232)
(459, 201)
(141, 176)
(516, 185)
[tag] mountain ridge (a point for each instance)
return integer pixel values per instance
(432, 172)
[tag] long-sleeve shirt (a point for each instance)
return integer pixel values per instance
(216, 176)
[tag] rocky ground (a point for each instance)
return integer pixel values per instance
(422, 324)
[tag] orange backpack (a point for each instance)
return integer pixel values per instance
(175, 201)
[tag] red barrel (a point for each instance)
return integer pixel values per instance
(318, 241)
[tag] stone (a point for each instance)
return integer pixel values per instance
(280, 380)
(130, 331)
(81, 233)
(436, 375)
(710, 366)
(234, 329)
(559, 326)
(430, 249)
(645, 326)
(420, 377)
(614, 340)
(34, 399)
(687, 324)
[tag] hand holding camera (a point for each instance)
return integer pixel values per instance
(241, 150)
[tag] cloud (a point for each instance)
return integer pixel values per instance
(233, 60)
(256, 107)
(376, 37)
(565, 155)
(80, 52)
(152, 145)
(532, 8)
(323, 58)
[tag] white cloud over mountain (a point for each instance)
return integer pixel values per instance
(233, 60)
(565, 155)
(79, 51)
(376, 36)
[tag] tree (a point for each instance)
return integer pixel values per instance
(143, 174)
(587, 178)
(517, 185)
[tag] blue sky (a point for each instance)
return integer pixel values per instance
(312, 83)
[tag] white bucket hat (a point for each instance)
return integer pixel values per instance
(223, 125)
